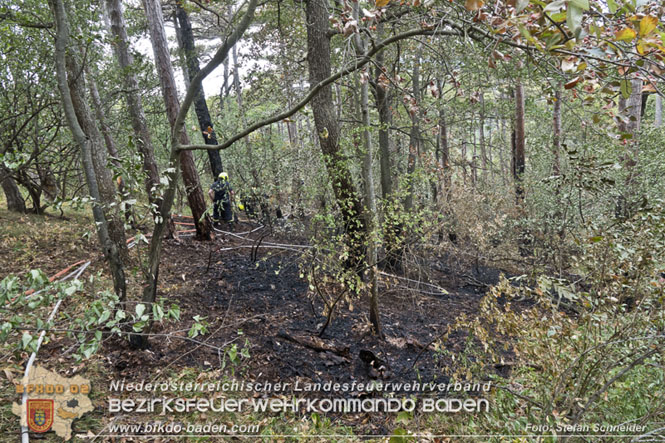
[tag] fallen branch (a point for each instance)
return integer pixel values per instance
(316, 344)
(24, 399)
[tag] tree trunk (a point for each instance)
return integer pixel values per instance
(630, 114)
(556, 145)
(445, 153)
(414, 135)
(383, 98)
(483, 147)
(13, 196)
(135, 108)
(190, 176)
(89, 144)
(370, 196)
(518, 144)
(659, 111)
(630, 109)
(104, 178)
(154, 253)
(251, 159)
(111, 147)
(328, 130)
(200, 105)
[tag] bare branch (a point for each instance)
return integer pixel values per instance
(313, 91)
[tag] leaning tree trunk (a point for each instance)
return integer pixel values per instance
(328, 129)
(109, 141)
(104, 178)
(89, 144)
(190, 176)
(200, 106)
(135, 108)
(13, 196)
(155, 248)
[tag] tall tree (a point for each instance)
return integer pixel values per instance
(370, 196)
(415, 138)
(155, 247)
(85, 133)
(186, 39)
(382, 98)
(103, 177)
(135, 106)
(630, 121)
(556, 142)
(519, 143)
(109, 141)
(190, 176)
(328, 128)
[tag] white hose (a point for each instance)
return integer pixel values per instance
(25, 438)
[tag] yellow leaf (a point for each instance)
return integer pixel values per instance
(381, 3)
(473, 5)
(626, 34)
(647, 25)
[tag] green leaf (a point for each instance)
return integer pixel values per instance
(69, 290)
(157, 312)
(521, 5)
(105, 316)
(582, 4)
(37, 279)
(626, 88)
(404, 417)
(574, 19)
(399, 436)
(25, 340)
(233, 353)
(140, 309)
(174, 312)
(612, 5)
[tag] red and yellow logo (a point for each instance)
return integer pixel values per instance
(40, 415)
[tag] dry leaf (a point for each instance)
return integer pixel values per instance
(473, 5)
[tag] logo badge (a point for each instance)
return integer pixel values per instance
(40, 415)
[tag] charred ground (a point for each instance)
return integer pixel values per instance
(265, 303)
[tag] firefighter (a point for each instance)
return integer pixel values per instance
(221, 194)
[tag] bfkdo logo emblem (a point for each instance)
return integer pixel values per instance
(40, 415)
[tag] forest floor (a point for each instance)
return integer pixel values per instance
(264, 305)
(270, 301)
